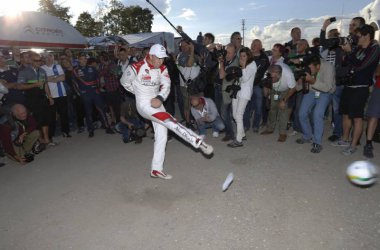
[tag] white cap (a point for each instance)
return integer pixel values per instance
(158, 50)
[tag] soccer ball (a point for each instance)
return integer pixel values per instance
(362, 173)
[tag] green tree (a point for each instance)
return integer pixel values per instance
(53, 8)
(125, 20)
(87, 25)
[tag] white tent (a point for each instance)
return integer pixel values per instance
(141, 40)
(35, 29)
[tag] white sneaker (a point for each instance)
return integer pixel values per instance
(160, 174)
(293, 133)
(206, 149)
(215, 134)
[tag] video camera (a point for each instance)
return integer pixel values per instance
(267, 81)
(338, 41)
(198, 84)
(232, 75)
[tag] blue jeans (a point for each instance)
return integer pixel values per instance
(337, 117)
(125, 131)
(89, 99)
(254, 105)
(296, 105)
(319, 104)
(226, 112)
(217, 125)
(218, 96)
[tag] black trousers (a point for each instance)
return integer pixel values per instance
(60, 107)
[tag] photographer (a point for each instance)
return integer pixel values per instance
(19, 135)
(256, 102)
(364, 60)
(206, 115)
(243, 95)
(229, 61)
(321, 80)
(189, 69)
(281, 87)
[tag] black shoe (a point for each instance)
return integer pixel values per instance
(316, 148)
(368, 151)
(80, 130)
(138, 140)
(2, 164)
(38, 147)
(109, 131)
(91, 134)
(333, 138)
(235, 144)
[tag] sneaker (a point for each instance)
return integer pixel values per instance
(206, 149)
(302, 140)
(138, 140)
(282, 138)
(293, 133)
(67, 135)
(203, 137)
(91, 134)
(244, 138)
(38, 147)
(215, 134)
(80, 130)
(227, 138)
(368, 151)
(349, 151)
(109, 131)
(51, 143)
(160, 174)
(333, 138)
(316, 148)
(235, 144)
(340, 143)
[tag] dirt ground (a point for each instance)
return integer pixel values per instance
(97, 194)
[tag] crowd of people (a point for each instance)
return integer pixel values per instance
(229, 89)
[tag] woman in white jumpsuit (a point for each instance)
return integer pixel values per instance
(149, 81)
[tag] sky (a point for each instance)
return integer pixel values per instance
(267, 20)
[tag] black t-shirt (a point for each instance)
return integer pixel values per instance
(14, 95)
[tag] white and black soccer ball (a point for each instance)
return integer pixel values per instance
(362, 173)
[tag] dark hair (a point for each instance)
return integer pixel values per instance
(313, 59)
(367, 29)
(291, 31)
(82, 54)
(360, 19)
(275, 67)
(122, 49)
(249, 54)
(234, 34)
(280, 47)
(210, 36)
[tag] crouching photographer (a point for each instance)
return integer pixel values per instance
(364, 60)
(19, 135)
(279, 86)
(321, 81)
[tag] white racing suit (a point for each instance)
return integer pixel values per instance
(146, 83)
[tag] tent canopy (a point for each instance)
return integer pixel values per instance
(37, 29)
(106, 41)
(141, 40)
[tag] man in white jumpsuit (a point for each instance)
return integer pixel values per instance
(149, 81)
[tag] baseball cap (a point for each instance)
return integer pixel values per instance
(158, 50)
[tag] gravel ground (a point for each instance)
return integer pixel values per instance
(97, 194)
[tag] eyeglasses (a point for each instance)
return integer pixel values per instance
(37, 60)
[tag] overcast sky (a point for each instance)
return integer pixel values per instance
(268, 20)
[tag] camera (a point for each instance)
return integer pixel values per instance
(221, 52)
(28, 157)
(234, 89)
(267, 81)
(198, 84)
(338, 41)
(233, 73)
